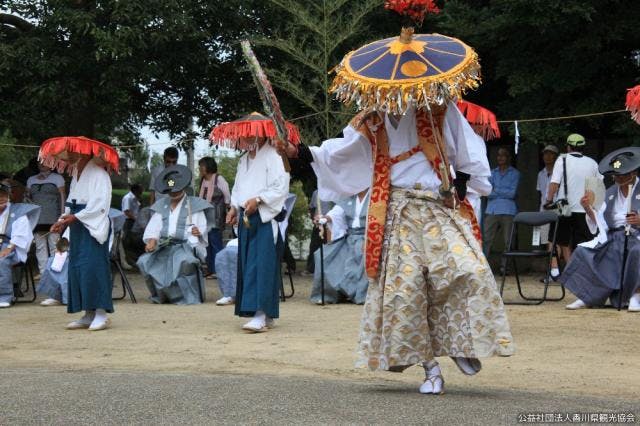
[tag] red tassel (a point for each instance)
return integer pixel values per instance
(482, 120)
(53, 152)
(633, 103)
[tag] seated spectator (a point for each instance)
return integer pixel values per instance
(344, 270)
(594, 272)
(176, 240)
(16, 224)
(54, 281)
(47, 190)
(227, 267)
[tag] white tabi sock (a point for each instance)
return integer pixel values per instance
(555, 271)
(101, 316)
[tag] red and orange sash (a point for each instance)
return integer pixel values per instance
(376, 133)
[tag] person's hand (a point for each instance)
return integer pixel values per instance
(62, 223)
(5, 252)
(451, 201)
(633, 218)
(250, 206)
(587, 199)
(195, 231)
(286, 149)
(316, 220)
(232, 216)
(151, 245)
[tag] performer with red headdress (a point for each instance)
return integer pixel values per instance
(257, 200)
(431, 290)
(87, 216)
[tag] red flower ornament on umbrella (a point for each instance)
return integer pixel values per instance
(633, 103)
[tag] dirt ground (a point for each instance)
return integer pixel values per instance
(589, 352)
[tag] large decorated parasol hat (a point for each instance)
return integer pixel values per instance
(173, 179)
(422, 69)
(620, 161)
(56, 153)
(254, 125)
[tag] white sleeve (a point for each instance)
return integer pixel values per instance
(200, 221)
(59, 181)
(338, 224)
(153, 228)
(600, 224)
(344, 166)
(277, 191)
(235, 202)
(466, 150)
(556, 176)
(95, 216)
(21, 237)
(126, 203)
(480, 184)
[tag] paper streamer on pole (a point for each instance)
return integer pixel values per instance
(517, 142)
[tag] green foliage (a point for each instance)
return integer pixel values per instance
(227, 164)
(306, 46)
(104, 69)
(13, 158)
(299, 223)
(552, 58)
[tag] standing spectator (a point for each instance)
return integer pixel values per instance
(46, 189)
(22, 175)
(131, 206)
(169, 158)
(549, 156)
(572, 230)
(214, 189)
(501, 207)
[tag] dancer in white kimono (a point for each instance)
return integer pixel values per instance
(257, 199)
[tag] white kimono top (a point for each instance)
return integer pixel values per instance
(344, 166)
(263, 176)
(21, 234)
(92, 188)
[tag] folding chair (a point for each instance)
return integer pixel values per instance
(283, 227)
(117, 219)
(530, 219)
(23, 272)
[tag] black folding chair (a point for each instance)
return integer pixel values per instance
(117, 262)
(283, 295)
(530, 219)
(23, 274)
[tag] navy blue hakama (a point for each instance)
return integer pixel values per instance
(258, 268)
(90, 284)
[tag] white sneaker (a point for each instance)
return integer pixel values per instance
(256, 325)
(634, 303)
(50, 302)
(5, 305)
(578, 304)
(223, 301)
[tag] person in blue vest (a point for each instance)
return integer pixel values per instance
(176, 240)
(16, 234)
(344, 270)
(593, 274)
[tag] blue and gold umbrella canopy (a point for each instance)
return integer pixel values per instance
(390, 74)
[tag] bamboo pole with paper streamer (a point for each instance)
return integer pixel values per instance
(322, 221)
(269, 100)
